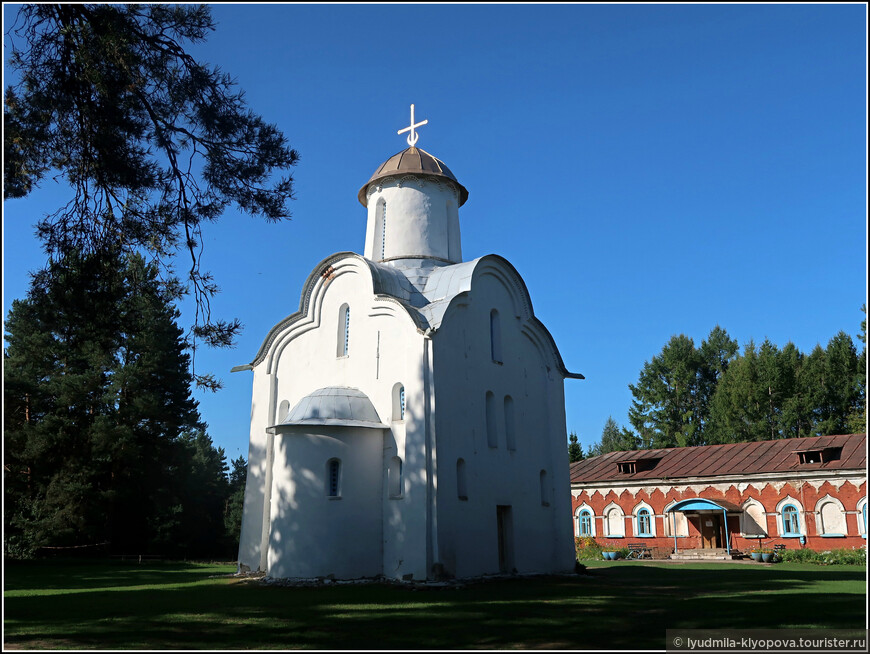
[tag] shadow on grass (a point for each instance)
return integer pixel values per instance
(615, 607)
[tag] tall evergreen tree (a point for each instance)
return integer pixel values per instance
(575, 450)
(98, 395)
(614, 439)
(153, 143)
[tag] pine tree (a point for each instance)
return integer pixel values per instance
(575, 449)
(98, 401)
(153, 143)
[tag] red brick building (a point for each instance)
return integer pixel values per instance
(801, 492)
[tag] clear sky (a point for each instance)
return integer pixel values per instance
(650, 170)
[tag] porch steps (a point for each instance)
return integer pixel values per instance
(718, 554)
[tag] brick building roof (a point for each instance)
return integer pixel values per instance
(842, 452)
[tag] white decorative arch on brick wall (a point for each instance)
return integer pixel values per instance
(679, 517)
(753, 520)
(830, 517)
(862, 513)
(614, 521)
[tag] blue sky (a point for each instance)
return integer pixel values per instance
(650, 170)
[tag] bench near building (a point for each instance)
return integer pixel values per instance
(718, 499)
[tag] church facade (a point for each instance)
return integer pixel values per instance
(408, 420)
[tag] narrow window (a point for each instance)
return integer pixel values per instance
(395, 478)
(333, 478)
(545, 491)
(461, 481)
(344, 331)
(398, 402)
(790, 524)
(383, 230)
(644, 524)
(495, 335)
(585, 523)
(491, 426)
(509, 423)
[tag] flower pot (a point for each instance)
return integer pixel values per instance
(767, 557)
(756, 556)
(609, 556)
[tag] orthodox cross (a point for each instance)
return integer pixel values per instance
(413, 136)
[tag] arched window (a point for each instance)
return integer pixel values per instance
(510, 429)
(380, 245)
(495, 336)
(644, 523)
(670, 518)
(333, 478)
(753, 519)
(344, 331)
(545, 489)
(491, 425)
(614, 523)
(394, 474)
(398, 402)
(461, 481)
(832, 517)
(584, 524)
(790, 522)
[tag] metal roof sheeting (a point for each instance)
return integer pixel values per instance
(413, 161)
(729, 459)
(336, 406)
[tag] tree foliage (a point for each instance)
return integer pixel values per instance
(575, 449)
(152, 142)
(614, 439)
(97, 408)
(715, 394)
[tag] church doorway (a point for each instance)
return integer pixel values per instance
(505, 527)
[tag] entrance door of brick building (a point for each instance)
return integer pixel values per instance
(711, 531)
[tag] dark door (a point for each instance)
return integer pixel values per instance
(711, 531)
(504, 525)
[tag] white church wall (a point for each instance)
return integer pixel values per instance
(315, 532)
(498, 476)
(421, 219)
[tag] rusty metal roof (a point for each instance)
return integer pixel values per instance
(731, 459)
(413, 161)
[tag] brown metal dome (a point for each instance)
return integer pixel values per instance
(413, 161)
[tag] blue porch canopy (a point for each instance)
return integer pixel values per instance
(702, 504)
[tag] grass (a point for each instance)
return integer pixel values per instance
(619, 605)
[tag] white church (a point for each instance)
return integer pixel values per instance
(408, 421)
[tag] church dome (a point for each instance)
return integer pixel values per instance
(413, 161)
(335, 406)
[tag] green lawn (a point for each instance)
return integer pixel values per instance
(619, 605)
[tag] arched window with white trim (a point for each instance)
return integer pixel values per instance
(584, 521)
(789, 520)
(344, 331)
(862, 517)
(381, 229)
(644, 520)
